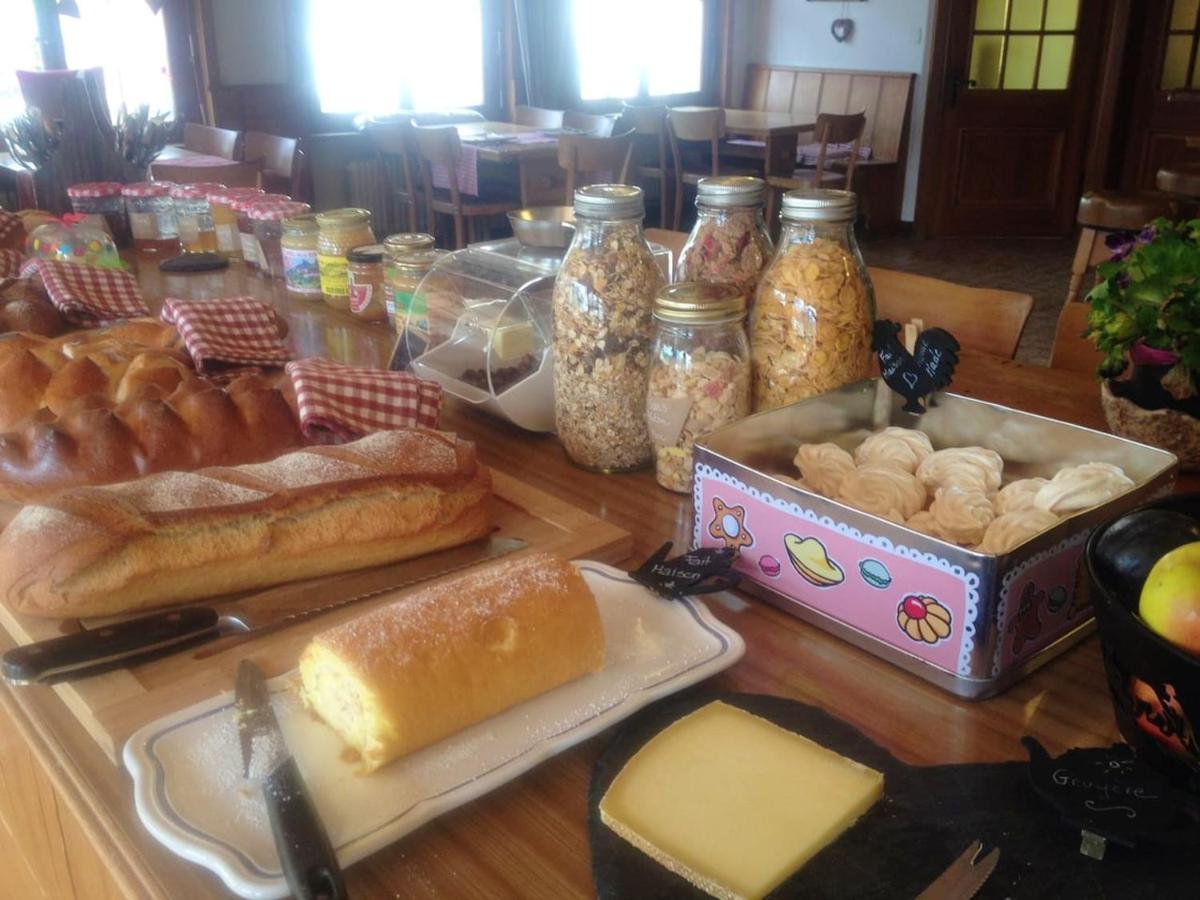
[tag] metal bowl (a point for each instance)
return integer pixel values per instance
(544, 226)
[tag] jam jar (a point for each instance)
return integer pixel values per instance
(341, 230)
(298, 250)
(407, 259)
(267, 218)
(103, 201)
(152, 221)
(229, 242)
(241, 209)
(194, 215)
(365, 270)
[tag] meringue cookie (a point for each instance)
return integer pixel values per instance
(823, 467)
(1077, 488)
(924, 522)
(1009, 531)
(1018, 495)
(903, 448)
(961, 515)
(967, 467)
(883, 491)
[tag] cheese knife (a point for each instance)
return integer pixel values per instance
(965, 876)
(305, 853)
(121, 643)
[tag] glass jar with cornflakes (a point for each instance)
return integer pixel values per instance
(603, 302)
(406, 260)
(729, 243)
(194, 214)
(341, 230)
(810, 329)
(298, 253)
(699, 374)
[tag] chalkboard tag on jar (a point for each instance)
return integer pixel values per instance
(702, 571)
(917, 365)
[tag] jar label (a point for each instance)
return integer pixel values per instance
(144, 226)
(665, 418)
(301, 271)
(249, 248)
(335, 275)
(227, 238)
(360, 297)
(189, 228)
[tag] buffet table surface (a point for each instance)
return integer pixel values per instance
(69, 815)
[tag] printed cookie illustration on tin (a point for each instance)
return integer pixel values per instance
(923, 619)
(875, 573)
(729, 525)
(811, 560)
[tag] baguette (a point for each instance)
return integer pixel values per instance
(178, 536)
(436, 661)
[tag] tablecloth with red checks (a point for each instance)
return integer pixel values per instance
(10, 263)
(230, 330)
(339, 403)
(9, 223)
(89, 295)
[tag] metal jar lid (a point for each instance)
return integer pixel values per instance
(407, 242)
(610, 201)
(819, 206)
(349, 217)
(731, 190)
(699, 303)
(367, 253)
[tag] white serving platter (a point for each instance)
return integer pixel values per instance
(187, 772)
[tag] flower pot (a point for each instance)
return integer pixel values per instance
(1161, 425)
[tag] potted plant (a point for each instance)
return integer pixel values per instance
(1145, 319)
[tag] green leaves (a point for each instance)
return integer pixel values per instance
(1151, 296)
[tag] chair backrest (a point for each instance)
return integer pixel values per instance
(213, 141)
(1072, 351)
(277, 153)
(597, 126)
(983, 319)
(696, 126)
(537, 117)
(649, 126)
(438, 145)
(395, 145)
(833, 128)
(582, 155)
(235, 174)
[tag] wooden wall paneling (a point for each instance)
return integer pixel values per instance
(807, 95)
(864, 96)
(835, 93)
(780, 84)
(754, 94)
(888, 140)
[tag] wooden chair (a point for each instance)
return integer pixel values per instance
(211, 141)
(1072, 351)
(393, 140)
(1101, 213)
(696, 133)
(650, 160)
(537, 117)
(280, 158)
(983, 319)
(597, 126)
(831, 129)
(235, 174)
(582, 155)
(442, 146)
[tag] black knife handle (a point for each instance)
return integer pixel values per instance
(97, 650)
(308, 860)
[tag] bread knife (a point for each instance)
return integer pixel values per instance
(305, 853)
(116, 644)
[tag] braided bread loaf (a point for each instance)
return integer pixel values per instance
(112, 363)
(24, 308)
(158, 427)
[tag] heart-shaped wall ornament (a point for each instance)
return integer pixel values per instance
(842, 30)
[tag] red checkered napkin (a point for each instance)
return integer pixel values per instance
(9, 223)
(90, 295)
(233, 330)
(10, 263)
(340, 403)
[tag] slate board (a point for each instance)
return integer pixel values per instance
(928, 816)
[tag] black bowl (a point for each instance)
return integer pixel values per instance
(1155, 685)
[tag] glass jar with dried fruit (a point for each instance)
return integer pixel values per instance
(729, 243)
(810, 330)
(603, 298)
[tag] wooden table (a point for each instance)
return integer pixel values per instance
(540, 181)
(72, 830)
(779, 131)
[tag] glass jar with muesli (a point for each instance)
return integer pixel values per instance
(810, 329)
(729, 243)
(700, 374)
(603, 298)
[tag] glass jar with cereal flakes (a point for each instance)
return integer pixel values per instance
(699, 375)
(603, 300)
(810, 329)
(729, 243)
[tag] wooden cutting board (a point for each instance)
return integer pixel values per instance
(114, 705)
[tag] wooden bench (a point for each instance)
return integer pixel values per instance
(886, 97)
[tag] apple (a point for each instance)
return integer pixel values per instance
(1170, 601)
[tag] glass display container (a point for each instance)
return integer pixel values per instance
(266, 220)
(603, 298)
(151, 213)
(102, 202)
(194, 215)
(810, 329)
(341, 230)
(699, 374)
(298, 252)
(229, 243)
(729, 243)
(87, 245)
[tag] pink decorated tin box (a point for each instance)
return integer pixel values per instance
(970, 622)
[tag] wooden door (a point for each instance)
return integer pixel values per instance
(1008, 111)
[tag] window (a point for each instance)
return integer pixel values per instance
(623, 50)
(18, 50)
(1181, 66)
(1023, 45)
(380, 56)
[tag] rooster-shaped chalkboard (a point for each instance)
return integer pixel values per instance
(928, 368)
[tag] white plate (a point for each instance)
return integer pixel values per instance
(186, 767)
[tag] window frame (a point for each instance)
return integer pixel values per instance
(1007, 32)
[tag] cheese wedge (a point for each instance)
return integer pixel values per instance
(734, 803)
